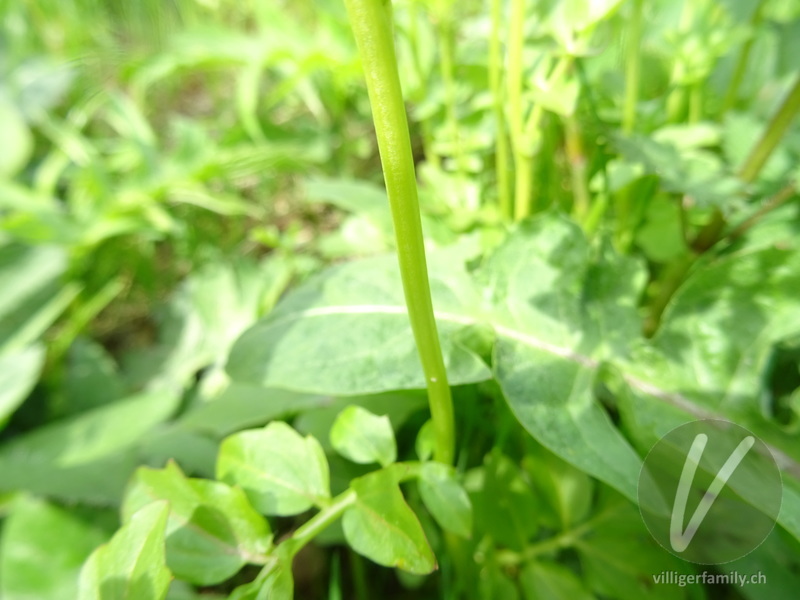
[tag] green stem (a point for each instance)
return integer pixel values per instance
(776, 129)
(632, 68)
(495, 82)
(447, 64)
(577, 168)
(741, 64)
(320, 521)
(516, 116)
(372, 26)
(527, 149)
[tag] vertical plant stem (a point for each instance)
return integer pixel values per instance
(516, 116)
(371, 23)
(632, 68)
(741, 64)
(447, 64)
(495, 82)
(772, 136)
(528, 146)
(577, 168)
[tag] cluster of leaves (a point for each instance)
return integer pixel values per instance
(657, 284)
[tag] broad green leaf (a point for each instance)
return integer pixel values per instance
(560, 97)
(19, 372)
(131, 565)
(86, 457)
(36, 534)
(212, 530)
(364, 437)
(382, 527)
(347, 332)
(553, 328)
(445, 498)
(281, 472)
(354, 196)
(546, 580)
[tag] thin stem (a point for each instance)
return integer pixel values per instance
(372, 27)
(495, 82)
(773, 203)
(577, 168)
(632, 68)
(320, 521)
(516, 43)
(776, 129)
(741, 64)
(447, 64)
(527, 149)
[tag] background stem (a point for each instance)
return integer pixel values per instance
(632, 68)
(372, 26)
(495, 82)
(772, 136)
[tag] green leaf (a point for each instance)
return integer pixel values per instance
(548, 580)
(504, 505)
(426, 441)
(274, 582)
(240, 406)
(19, 372)
(363, 437)
(382, 527)
(18, 139)
(35, 534)
(567, 490)
(86, 457)
(131, 565)
(445, 498)
(346, 332)
(212, 530)
(620, 557)
(551, 328)
(281, 472)
(33, 295)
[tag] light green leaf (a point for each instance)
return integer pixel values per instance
(19, 372)
(33, 295)
(212, 530)
(346, 332)
(445, 498)
(426, 441)
(18, 141)
(281, 472)
(274, 582)
(36, 534)
(363, 437)
(551, 335)
(382, 527)
(131, 565)
(548, 580)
